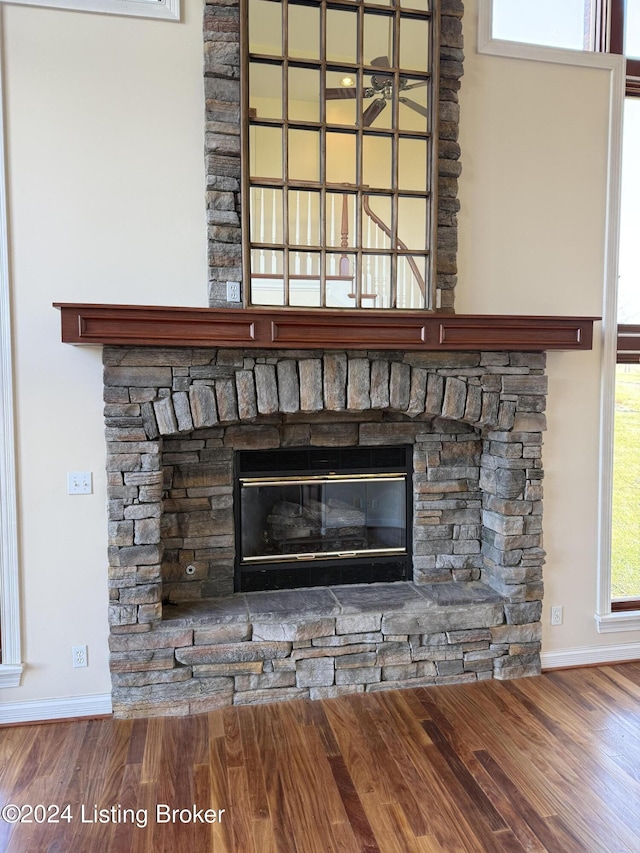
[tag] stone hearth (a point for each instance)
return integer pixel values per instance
(183, 642)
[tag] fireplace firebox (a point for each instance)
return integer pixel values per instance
(322, 516)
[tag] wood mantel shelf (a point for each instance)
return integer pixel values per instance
(291, 328)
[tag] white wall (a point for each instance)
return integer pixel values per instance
(105, 144)
(106, 204)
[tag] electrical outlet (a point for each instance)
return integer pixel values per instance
(79, 483)
(233, 291)
(79, 655)
(556, 615)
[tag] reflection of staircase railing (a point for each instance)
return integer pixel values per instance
(304, 262)
(399, 243)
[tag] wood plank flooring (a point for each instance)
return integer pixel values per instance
(540, 764)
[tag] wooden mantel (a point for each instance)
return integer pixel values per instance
(291, 328)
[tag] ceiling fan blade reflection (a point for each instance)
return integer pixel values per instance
(373, 111)
(414, 106)
(340, 92)
(381, 62)
(413, 85)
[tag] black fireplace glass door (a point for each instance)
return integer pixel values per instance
(298, 518)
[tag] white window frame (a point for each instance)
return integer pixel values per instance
(168, 10)
(606, 621)
(11, 666)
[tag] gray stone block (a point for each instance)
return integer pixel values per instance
(470, 636)
(435, 393)
(436, 653)
(265, 681)
(183, 411)
(521, 613)
(399, 685)
(335, 377)
(400, 672)
(526, 633)
(417, 394)
(518, 384)
(147, 531)
(348, 639)
(141, 679)
(233, 652)
(293, 631)
(515, 666)
(235, 632)
(165, 416)
(160, 639)
(355, 660)
(120, 533)
(332, 651)
(142, 660)
(529, 422)
(246, 393)
(334, 435)
(263, 697)
(233, 670)
(359, 384)
(122, 614)
(288, 386)
(400, 386)
(266, 388)
(449, 667)
(140, 377)
(334, 692)
(444, 619)
(359, 675)
(226, 401)
(455, 397)
(490, 408)
(310, 371)
(361, 623)
(473, 404)
(141, 555)
(315, 672)
(143, 594)
(379, 394)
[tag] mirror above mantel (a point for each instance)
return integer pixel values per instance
(340, 153)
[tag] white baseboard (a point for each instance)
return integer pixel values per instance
(586, 655)
(55, 709)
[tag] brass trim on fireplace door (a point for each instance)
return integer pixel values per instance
(323, 478)
(313, 555)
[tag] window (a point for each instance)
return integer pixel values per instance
(625, 554)
(567, 24)
(624, 38)
(340, 114)
(168, 9)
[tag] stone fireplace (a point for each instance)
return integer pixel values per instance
(187, 390)
(183, 641)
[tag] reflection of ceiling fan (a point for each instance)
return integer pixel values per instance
(382, 86)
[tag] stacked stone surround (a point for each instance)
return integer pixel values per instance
(221, 28)
(174, 417)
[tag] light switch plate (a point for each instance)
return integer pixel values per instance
(79, 483)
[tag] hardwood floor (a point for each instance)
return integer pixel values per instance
(540, 764)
